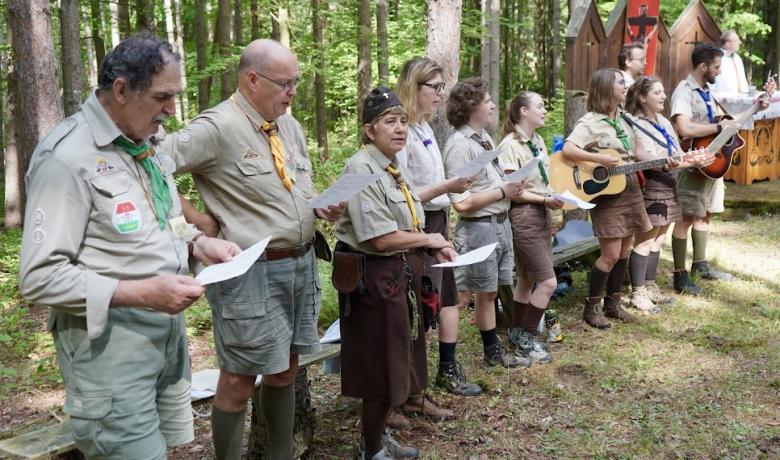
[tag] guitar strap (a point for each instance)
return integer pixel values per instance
(639, 127)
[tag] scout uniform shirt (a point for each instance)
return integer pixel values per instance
(515, 153)
(593, 131)
(380, 208)
(422, 158)
(461, 149)
(90, 222)
(230, 159)
(652, 147)
(687, 101)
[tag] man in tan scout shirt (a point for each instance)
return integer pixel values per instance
(250, 164)
(105, 245)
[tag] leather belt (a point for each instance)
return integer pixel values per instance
(285, 253)
(499, 218)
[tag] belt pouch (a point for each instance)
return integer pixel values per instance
(348, 271)
(321, 247)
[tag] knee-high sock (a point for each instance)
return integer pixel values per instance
(532, 318)
(597, 282)
(652, 266)
(278, 405)
(616, 277)
(519, 310)
(374, 417)
(227, 432)
(679, 252)
(637, 267)
(699, 240)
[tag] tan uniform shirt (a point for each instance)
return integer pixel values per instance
(230, 160)
(652, 147)
(89, 221)
(461, 149)
(515, 153)
(687, 101)
(380, 208)
(422, 159)
(592, 130)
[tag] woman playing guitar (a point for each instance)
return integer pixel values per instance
(616, 218)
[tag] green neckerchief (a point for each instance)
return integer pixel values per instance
(620, 133)
(535, 152)
(161, 194)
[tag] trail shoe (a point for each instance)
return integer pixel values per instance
(397, 420)
(452, 378)
(613, 309)
(361, 453)
(395, 449)
(683, 284)
(593, 315)
(421, 404)
(528, 344)
(657, 295)
(495, 355)
(703, 269)
(640, 299)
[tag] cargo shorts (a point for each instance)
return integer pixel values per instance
(494, 271)
(694, 192)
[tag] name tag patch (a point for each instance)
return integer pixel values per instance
(126, 218)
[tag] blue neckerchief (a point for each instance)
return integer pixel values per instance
(669, 140)
(707, 100)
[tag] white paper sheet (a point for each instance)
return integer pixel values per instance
(343, 189)
(236, 267)
(567, 197)
(471, 257)
(333, 334)
(474, 166)
(522, 173)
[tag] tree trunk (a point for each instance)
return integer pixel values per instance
(319, 81)
(381, 31)
(238, 23)
(444, 17)
(144, 16)
(92, 69)
(13, 164)
(179, 27)
(222, 36)
(364, 54)
(3, 76)
(72, 70)
(202, 55)
(554, 49)
(36, 88)
(113, 8)
(123, 7)
(283, 25)
(97, 32)
(174, 38)
(491, 53)
(254, 11)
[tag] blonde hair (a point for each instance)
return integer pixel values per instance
(415, 72)
(394, 110)
(600, 90)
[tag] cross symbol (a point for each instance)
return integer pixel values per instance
(696, 40)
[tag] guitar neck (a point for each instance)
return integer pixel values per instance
(628, 168)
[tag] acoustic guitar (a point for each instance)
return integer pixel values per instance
(587, 180)
(724, 145)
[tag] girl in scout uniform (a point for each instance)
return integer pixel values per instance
(616, 218)
(530, 218)
(378, 270)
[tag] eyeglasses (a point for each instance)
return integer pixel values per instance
(286, 86)
(437, 87)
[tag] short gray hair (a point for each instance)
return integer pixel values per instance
(137, 59)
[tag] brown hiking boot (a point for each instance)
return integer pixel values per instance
(593, 315)
(613, 309)
(397, 420)
(421, 404)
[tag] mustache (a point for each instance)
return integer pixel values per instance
(160, 118)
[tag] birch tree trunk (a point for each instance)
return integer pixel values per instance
(72, 70)
(113, 8)
(381, 31)
(92, 69)
(123, 13)
(319, 81)
(364, 54)
(179, 28)
(444, 17)
(175, 41)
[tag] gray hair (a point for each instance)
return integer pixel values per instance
(136, 59)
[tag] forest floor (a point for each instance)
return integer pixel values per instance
(700, 380)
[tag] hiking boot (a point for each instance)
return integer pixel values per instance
(495, 355)
(593, 315)
(397, 420)
(640, 299)
(703, 269)
(657, 295)
(421, 404)
(452, 378)
(361, 453)
(528, 344)
(395, 449)
(683, 284)
(613, 309)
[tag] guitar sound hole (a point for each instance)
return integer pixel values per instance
(600, 174)
(592, 187)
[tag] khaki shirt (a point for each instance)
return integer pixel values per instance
(593, 131)
(234, 171)
(380, 208)
(89, 222)
(652, 147)
(461, 149)
(515, 153)
(687, 101)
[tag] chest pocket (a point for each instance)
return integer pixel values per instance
(119, 205)
(254, 175)
(400, 210)
(303, 173)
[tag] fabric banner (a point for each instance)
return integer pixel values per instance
(642, 27)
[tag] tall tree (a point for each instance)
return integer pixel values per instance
(36, 89)
(280, 24)
(381, 31)
(238, 23)
(72, 69)
(444, 19)
(123, 13)
(144, 15)
(491, 49)
(202, 55)
(254, 12)
(179, 27)
(174, 38)
(554, 49)
(113, 8)
(96, 24)
(222, 36)
(364, 53)
(92, 69)
(318, 24)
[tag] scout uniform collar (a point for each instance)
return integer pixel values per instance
(521, 135)
(102, 127)
(392, 168)
(695, 84)
(468, 131)
(379, 158)
(248, 109)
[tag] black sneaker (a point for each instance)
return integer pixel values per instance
(495, 355)
(703, 269)
(683, 284)
(452, 378)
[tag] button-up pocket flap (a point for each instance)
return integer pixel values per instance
(396, 196)
(251, 167)
(302, 163)
(88, 406)
(243, 310)
(112, 184)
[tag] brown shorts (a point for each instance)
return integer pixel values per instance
(532, 241)
(442, 278)
(661, 198)
(621, 215)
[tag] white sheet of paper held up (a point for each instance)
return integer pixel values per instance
(522, 173)
(471, 257)
(567, 197)
(343, 189)
(474, 166)
(236, 267)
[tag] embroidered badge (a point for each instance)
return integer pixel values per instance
(103, 165)
(178, 226)
(38, 236)
(126, 218)
(365, 206)
(39, 217)
(249, 155)
(184, 136)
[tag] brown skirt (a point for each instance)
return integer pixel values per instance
(532, 241)
(621, 215)
(661, 198)
(443, 278)
(379, 359)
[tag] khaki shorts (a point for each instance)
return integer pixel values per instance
(717, 197)
(265, 314)
(496, 270)
(127, 391)
(694, 192)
